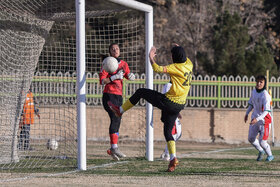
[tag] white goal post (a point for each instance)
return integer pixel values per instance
(81, 96)
(81, 83)
(41, 44)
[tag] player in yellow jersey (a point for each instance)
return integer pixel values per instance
(170, 103)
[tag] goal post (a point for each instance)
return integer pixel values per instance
(81, 109)
(53, 48)
(149, 71)
(81, 83)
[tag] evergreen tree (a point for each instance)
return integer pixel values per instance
(231, 56)
(272, 6)
(260, 59)
(229, 44)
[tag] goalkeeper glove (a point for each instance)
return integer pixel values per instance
(131, 76)
(118, 75)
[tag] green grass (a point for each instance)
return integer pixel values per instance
(194, 165)
(233, 162)
(189, 166)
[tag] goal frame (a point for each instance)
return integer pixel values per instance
(81, 76)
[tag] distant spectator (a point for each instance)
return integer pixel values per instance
(27, 119)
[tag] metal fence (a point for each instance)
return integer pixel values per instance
(206, 91)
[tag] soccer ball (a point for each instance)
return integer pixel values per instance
(52, 144)
(110, 64)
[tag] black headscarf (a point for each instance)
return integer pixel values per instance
(261, 77)
(178, 54)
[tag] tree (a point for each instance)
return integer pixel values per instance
(186, 23)
(273, 7)
(260, 59)
(229, 44)
(190, 23)
(232, 56)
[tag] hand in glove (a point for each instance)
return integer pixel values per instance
(119, 75)
(131, 76)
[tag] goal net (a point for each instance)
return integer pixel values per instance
(38, 53)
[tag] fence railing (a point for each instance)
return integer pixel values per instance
(206, 91)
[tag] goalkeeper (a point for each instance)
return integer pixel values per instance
(170, 103)
(113, 92)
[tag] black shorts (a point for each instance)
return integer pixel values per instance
(114, 120)
(170, 110)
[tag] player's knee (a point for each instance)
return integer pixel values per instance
(264, 143)
(168, 136)
(140, 91)
(114, 129)
(177, 136)
(251, 140)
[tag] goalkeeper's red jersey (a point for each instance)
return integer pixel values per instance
(114, 87)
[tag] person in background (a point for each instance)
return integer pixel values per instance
(177, 128)
(260, 119)
(27, 119)
(113, 92)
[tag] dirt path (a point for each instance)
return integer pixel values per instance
(188, 180)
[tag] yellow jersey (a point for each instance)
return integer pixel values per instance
(181, 77)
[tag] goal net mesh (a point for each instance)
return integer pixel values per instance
(38, 53)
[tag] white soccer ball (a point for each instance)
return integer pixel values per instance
(110, 64)
(52, 144)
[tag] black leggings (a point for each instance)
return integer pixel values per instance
(115, 121)
(24, 137)
(169, 109)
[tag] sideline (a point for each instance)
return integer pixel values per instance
(214, 151)
(115, 163)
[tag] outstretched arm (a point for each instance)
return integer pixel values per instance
(174, 44)
(156, 68)
(152, 55)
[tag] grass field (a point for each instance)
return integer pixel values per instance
(199, 165)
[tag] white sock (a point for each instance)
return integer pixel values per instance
(172, 156)
(166, 150)
(266, 147)
(257, 145)
(121, 109)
